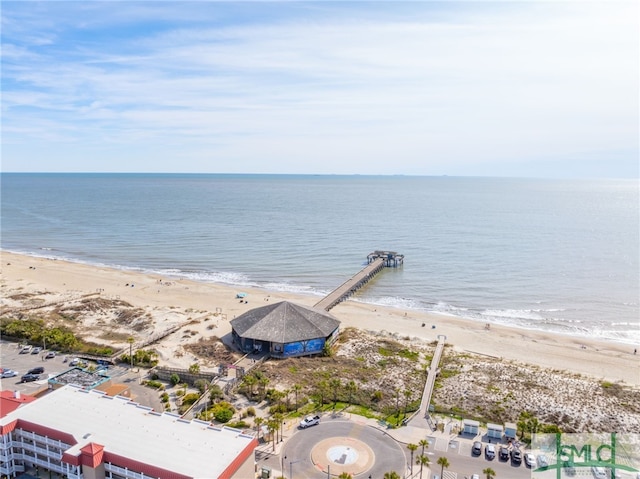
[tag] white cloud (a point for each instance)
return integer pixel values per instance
(383, 92)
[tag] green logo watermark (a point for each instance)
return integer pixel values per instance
(563, 455)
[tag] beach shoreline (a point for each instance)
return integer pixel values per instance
(169, 300)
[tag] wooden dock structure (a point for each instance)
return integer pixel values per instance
(376, 262)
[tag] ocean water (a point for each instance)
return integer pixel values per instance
(555, 255)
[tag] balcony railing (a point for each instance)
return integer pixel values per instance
(125, 472)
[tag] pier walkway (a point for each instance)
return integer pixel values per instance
(376, 262)
(350, 286)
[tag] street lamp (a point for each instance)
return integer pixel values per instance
(291, 463)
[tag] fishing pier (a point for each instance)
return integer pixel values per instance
(376, 262)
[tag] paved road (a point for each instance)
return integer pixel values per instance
(389, 455)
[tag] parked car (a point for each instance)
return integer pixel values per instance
(27, 378)
(516, 455)
(476, 449)
(309, 421)
(8, 373)
(543, 461)
(490, 452)
(503, 454)
(38, 370)
(530, 460)
(50, 355)
(25, 349)
(475, 476)
(77, 362)
(598, 472)
(36, 350)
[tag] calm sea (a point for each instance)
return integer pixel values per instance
(554, 255)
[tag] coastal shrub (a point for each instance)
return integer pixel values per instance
(179, 393)
(251, 411)
(154, 384)
(238, 424)
(201, 385)
(377, 396)
(174, 379)
(36, 331)
(189, 399)
(97, 350)
(223, 415)
(408, 354)
(164, 397)
(215, 393)
(222, 411)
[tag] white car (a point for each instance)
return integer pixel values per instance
(309, 421)
(475, 476)
(8, 373)
(530, 460)
(598, 472)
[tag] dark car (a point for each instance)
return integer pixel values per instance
(38, 370)
(477, 448)
(516, 456)
(27, 378)
(504, 453)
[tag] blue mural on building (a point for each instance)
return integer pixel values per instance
(304, 347)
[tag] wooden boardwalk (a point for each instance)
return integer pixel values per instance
(350, 286)
(422, 414)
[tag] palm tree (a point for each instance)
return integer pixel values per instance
(335, 384)
(412, 447)
(345, 475)
(286, 393)
(130, 340)
(250, 380)
(258, 421)
(262, 382)
(296, 389)
(425, 445)
(397, 392)
(443, 462)
(278, 417)
(322, 387)
(391, 475)
(273, 425)
(407, 398)
(351, 389)
(489, 472)
(422, 461)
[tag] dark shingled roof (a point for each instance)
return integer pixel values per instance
(284, 322)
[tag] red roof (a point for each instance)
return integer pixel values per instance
(9, 402)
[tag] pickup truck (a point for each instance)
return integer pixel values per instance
(309, 421)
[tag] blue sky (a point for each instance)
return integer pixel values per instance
(546, 89)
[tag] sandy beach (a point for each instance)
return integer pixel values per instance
(169, 301)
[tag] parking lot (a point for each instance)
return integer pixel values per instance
(10, 358)
(464, 463)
